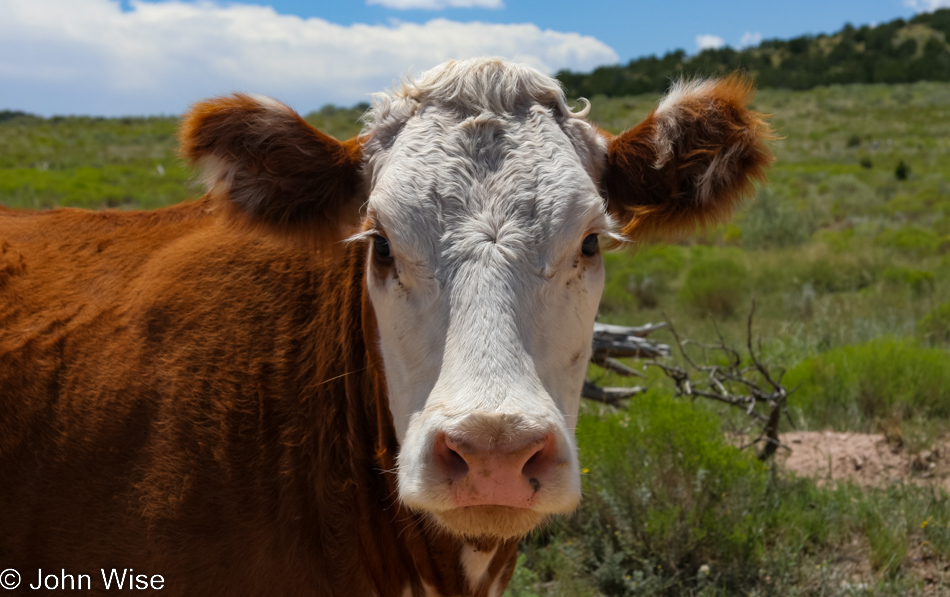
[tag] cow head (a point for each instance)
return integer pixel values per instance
(483, 201)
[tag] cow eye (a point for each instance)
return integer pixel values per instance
(381, 246)
(589, 246)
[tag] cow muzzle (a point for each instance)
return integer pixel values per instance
(493, 474)
(486, 473)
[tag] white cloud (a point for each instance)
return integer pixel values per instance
(705, 41)
(437, 4)
(750, 39)
(927, 5)
(90, 57)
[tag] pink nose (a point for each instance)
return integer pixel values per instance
(496, 475)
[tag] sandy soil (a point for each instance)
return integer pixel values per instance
(870, 461)
(865, 459)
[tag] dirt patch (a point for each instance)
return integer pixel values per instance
(865, 459)
(870, 461)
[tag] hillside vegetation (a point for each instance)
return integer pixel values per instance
(896, 52)
(847, 254)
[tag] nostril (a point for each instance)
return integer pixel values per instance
(540, 463)
(448, 460)
(456, 464)
(534, 463)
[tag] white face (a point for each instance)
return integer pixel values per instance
(485, 309)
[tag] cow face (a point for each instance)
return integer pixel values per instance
(487, 201)
(485, 275)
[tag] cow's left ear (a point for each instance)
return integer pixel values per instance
(691, 162)
(267, 167)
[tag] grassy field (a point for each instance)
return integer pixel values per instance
(847, 255)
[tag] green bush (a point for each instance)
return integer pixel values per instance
(847, 195)
(664, 492)
(942, 226)
(920, 282)
(838, 275)
(859, 385)
(910, 240)
(902, 171)
(341, 123)
(796, 533)
(640, 280)
(935, 326)
(716, 286)
(775, 221)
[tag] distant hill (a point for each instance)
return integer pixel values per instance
(896, 52)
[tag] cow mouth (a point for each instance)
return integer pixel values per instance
(503, 522)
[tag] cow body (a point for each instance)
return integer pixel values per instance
(163, 434)
(223, 394)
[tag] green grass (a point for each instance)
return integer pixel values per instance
(934, 327)
(856, 387)
(670, 507)
(126, 163)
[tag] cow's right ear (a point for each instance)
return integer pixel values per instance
(267, 167)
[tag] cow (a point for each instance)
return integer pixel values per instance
(350, 368)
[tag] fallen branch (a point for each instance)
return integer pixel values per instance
(611, 396)
(621, 341)
(750, 387)
(615, 341)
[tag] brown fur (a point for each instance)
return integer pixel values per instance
(268, 166)
(202, 401)
(714, 129)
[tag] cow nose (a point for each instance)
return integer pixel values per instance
(509, 474)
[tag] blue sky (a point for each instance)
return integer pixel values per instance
(117, 57)
(633, 28)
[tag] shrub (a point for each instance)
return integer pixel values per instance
(839, 241)
(833, 274)
(910, 240)
(847, 195)
(732, 235)
(716, 286)
(664, 491)
(920, 282)
(942, 226)
(918, 204)
(935, 326)
(902, 171)
(640, 280)
(775, 221)
(861, 384)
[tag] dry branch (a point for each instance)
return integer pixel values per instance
(750, 387)
(615, 341)
(740, 383)
(611, 396)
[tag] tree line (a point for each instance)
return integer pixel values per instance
(895, 52)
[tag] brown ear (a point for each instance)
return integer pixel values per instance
(691, 162)
(266, 166)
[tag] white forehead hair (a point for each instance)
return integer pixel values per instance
(479, 87)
